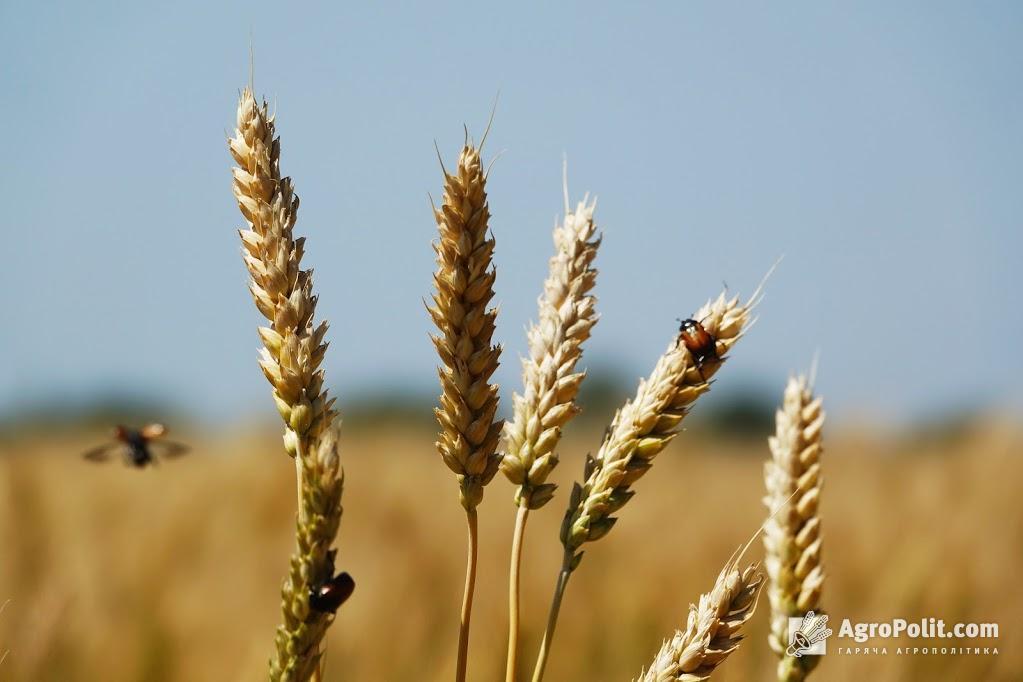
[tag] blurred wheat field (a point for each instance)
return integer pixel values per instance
(172, 573)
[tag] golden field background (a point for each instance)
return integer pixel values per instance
(173, 573)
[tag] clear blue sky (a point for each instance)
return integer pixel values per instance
(878, 146)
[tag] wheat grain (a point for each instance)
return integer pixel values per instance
(550, 382)
(792, 535)
(713, 629)
(293, 348)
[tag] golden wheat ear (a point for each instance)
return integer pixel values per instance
(713, 630)
(464, 283)
(467, 413)
(640, 430)
(792, 535)
(293, 349)
(645, 425)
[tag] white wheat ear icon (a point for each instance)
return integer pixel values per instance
(813, 629)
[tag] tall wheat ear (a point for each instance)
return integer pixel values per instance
(464, 282)
(567, 314)
(792, 535)
(713, 630)
(293, 348)
(550, 384)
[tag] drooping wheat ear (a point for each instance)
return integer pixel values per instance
(290, 359)
(792, 535)
(646, 424)
(465, 286)
(567, 314)
(712, 631)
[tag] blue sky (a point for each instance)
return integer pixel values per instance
(877, 146)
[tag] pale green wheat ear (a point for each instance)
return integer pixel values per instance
(792, 535)
(293, 348)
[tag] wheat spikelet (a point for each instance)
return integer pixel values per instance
(290, 359)
(792, 536)
(646, 424)
(567, 314)
(713, 629)
(465, 285)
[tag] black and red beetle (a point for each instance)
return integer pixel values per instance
(700, 343)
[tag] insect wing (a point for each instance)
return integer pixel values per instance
(168, 449)
(101, 453)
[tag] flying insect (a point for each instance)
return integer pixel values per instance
(139, 447)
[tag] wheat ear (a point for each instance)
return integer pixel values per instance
(468, 403)
(646, 424)
(550, 383)
(713, 629)
(639, 431)
(792, 536)
(293, 348)
(465, 285)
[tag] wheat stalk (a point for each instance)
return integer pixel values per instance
(792, 535)
(712, 631)
(550, 384)
(468, 403)
(639, 431)
(293, 348)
